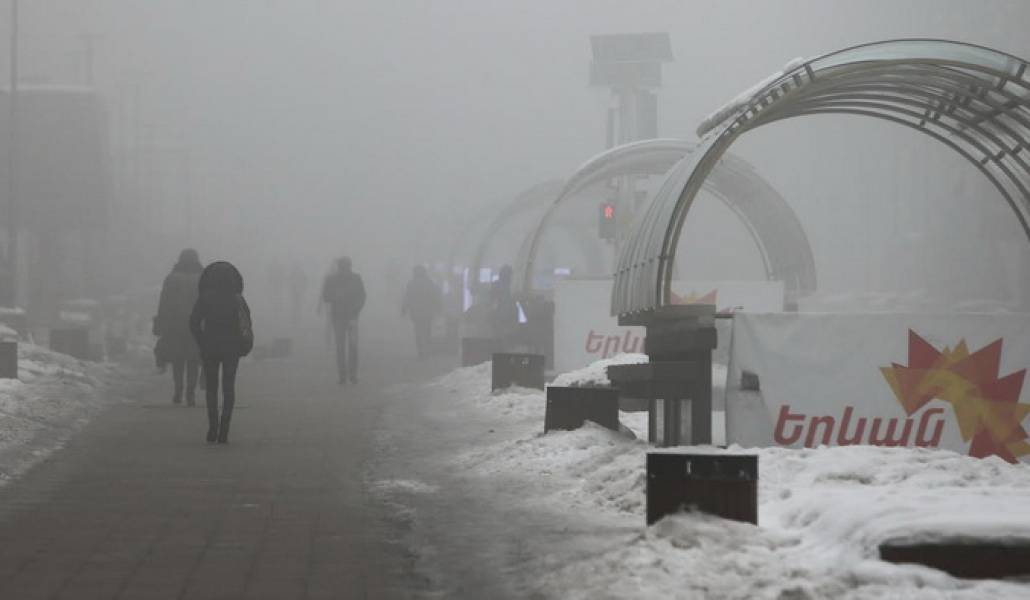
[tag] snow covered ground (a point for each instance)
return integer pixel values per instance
(53, 396)
(503, 509)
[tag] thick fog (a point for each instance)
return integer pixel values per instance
(274, 132)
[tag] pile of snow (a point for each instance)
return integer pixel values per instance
(53, 396)
(596, 374)
(470, 387)
(822, 513)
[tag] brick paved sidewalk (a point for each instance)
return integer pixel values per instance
(138, 506)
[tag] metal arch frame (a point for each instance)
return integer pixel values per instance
(973, 99)
(786, 254)
(536, 197)
(649, 157)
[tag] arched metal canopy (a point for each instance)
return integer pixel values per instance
(973, 99)
(532, 200)
(772, 224)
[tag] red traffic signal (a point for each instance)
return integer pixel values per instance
(606, 225)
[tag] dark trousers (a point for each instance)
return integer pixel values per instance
(188, 368)
(346, 333)
(423, 333)
(228, 370)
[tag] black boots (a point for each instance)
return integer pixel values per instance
(223, 428)
(212, 422)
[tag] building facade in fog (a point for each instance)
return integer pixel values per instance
(63, 193)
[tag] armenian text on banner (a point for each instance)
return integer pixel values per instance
(951, 381)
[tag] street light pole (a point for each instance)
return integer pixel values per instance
(12, 162)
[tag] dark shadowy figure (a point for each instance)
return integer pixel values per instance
(344, 292)
(504, 311)
(172, 324)
(422, 302)
(221, 324)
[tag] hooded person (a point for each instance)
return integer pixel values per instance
(172, 325)
(221, 325)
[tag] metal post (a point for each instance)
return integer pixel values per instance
(624, 191)
(12, 161)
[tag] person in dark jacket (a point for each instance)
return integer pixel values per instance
(221, 324)
(422, 302)
(344, 292)
(172, 324)
(504, 310)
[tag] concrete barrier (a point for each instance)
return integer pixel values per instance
(8, 360)
(967, 558)
(522, 370)
(569, 407)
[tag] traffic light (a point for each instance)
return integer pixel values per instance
(606, 225)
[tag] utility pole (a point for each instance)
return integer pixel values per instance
(630, 65)
(12, 163)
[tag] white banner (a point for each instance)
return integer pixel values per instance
(584, 331)
(940, 381)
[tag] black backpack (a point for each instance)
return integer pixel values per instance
(246, 330)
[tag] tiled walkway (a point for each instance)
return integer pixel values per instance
(138, 506)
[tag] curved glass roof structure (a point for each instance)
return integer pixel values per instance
(770, 221)
(973, 99)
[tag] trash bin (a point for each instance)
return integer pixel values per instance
(523, 370)
(724, 485)
(8, 360)
(569, 407)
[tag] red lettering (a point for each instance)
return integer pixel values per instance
(842, 436)
(611, 346)
(938, 430)
(631, 347)
(594, 341)
(785, 417)
(889, 439)
(827, 423)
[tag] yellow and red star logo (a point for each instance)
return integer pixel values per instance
(986, 407)
(694, 298)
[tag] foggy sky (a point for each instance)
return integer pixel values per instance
(375, 127)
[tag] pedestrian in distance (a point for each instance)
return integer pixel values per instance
(221, 324)
(422, 303)
(172, 325)
(344, 292)
(504, 310)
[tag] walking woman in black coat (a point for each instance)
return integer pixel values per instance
(172, 324)
(221, 324)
